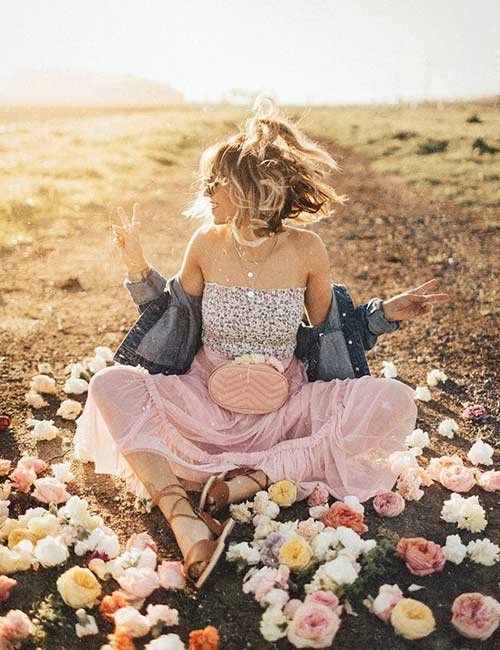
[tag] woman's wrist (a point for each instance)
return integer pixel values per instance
(138, 275)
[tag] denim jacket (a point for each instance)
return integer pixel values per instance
(167, 334)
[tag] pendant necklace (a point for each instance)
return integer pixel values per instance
(250, 293)
(250, 242)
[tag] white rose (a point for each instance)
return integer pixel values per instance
(273, 624)
(243, 552)
(132, 620)
(341, 570)
(241, 512)
(76, 508)
(51, 551)
(480, 453)
(43, 384)
(86, 625)
(422, 393)
(418, 438)
(448, 427)
(389, 369)
(62, 472)
(354, 504)
(69, 409)
(451, 508)
(166, 642)
(104, 351)
(316, 511)
(35, 400)
(483, 551)
(43, 429)
(472, 515)
(96, 363)
(435, 376)
(402, 460)
(323, 542)
(454, 550)
(75, 386)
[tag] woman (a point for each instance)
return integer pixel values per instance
(256, 275)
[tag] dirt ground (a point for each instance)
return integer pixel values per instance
(57, 306)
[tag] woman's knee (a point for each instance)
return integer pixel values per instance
(399, 394)
(106, 380)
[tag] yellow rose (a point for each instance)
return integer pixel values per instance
(12, 561)
(412, 619)
(79, 587)
(18, 534)
(284, 493)
(296, 554)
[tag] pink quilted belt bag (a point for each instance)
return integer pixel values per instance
(255, 386)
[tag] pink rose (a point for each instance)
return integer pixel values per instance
(422, 557)
(14, 626)
(388, 504)
(475, 412)
(6, 584)
(319, 495)
(291, 607)
(171, 575)
(22, 478)
(457, 478)
(326, 598)
(50, 490)
(387, 598)
(436, 465)
(475, 616)
(139, 582)
(489, 481)
(33, 462)
(313, 626)
(140, 541)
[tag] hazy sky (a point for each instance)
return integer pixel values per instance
(301, 51)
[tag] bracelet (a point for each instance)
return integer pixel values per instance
(140, 276)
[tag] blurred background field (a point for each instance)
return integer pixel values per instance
(72, 163)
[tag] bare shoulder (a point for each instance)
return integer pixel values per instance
(312, 249)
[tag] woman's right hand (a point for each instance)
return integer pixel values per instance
(126, 238)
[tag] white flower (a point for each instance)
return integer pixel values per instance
(451, 508)
(104, 352)
(51, 551)
(352, 542)
(401, 460)
(341, 570)
(241, 512)
(323, 542)
(389, 369)
(86, 625)
(263, 526)
(243, 552)
(472, 515)
(454, 550)
(480, 453)
(166, 642)
(76, 509)
(354, 504)
(96, 363)
(62, 471)
(262, 505)
(162, 613)
(422, 393)
(275, 597)
(43, 429)
(448, 427)
(418, 438)
(132, 620)
(69, 409)
(43, 384)
(435, 376)
(35, 400)
(76, 386)
(75, 369)
(273, 624)
(483, 551)
(316, 511)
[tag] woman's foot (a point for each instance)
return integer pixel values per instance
(240, 488)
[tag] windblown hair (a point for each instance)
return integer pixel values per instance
(273, 172)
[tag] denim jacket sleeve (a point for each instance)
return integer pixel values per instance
(372, 322)
(145, 291)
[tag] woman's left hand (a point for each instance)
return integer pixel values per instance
(413, 303)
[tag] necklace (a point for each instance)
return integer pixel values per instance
(250, 242)
(250, 293)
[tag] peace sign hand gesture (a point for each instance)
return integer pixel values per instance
(126, 237)
(413, 303)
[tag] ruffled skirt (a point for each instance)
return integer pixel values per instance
(338, 433)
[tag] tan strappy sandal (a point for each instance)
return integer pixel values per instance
(217, 488)
(204, 550)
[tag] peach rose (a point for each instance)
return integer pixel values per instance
(6, 584)
(110, 604)
(388, 504)
(139, 582)
(50, 490)
(422, 557)
(341, 515)
(475, 616)
(121, 639)
(457, 478)
(313, 626)
(22, 478)
(33, 462)
(205, 639)
(171, 574)
(140, 541)
(437, 464)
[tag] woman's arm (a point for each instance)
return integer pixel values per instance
(318, 295)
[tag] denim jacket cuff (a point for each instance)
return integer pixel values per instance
(377, 322)
(147, 289)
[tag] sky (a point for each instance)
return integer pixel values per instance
(300, 51)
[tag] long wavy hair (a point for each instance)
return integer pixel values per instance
(273, 172)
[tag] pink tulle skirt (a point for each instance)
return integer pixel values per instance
(338, 433)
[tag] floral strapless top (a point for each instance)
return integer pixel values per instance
(240, 320)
